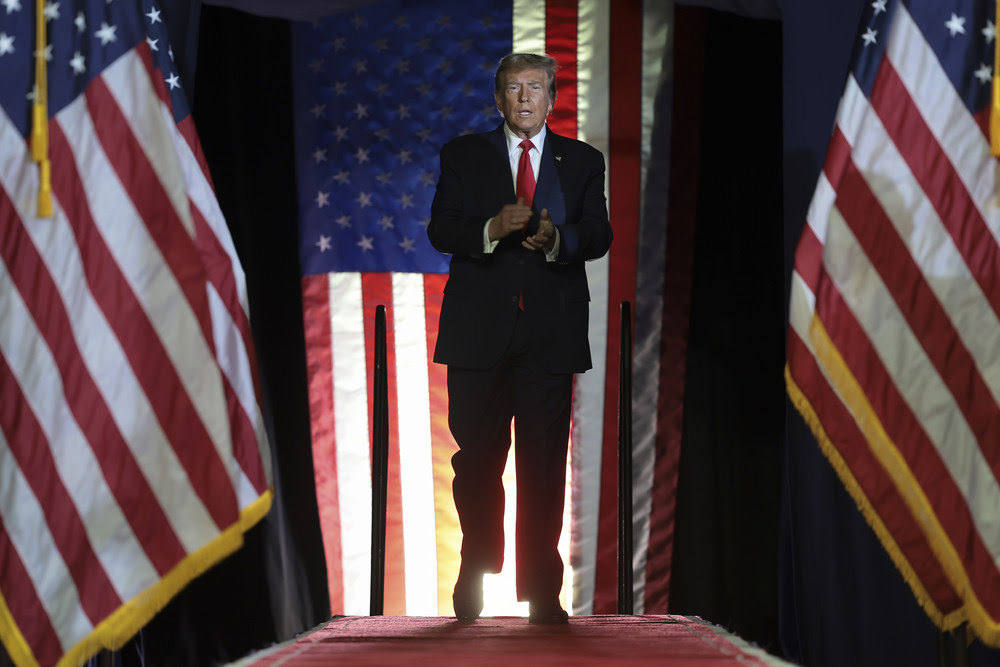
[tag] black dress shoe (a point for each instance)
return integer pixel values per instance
(547, 613)
(468, 596)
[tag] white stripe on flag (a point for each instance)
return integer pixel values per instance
(528, 26)
(29, 534)
(234, 363)
(416, 474)
(350, 403)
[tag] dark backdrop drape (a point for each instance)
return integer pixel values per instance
(725, 549)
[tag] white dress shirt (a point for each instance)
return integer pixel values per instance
(514, 153)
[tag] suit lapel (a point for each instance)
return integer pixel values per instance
(499, 142)
(548, 189)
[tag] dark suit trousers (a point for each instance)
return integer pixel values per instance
(481, 406)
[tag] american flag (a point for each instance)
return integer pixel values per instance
(132, 449)
(378, 91)
(894, 337)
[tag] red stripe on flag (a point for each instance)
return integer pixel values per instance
(319, 362)
(938, 179)
(874, 483)
(376, 290)
(982, 118)
(923, 312)
(30, 617)
(141, 344)
(624, 176)
(560, 43)
(809, 258)
(912, 442)
(30, 448)
(125, 478)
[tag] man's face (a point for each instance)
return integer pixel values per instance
(524, 101)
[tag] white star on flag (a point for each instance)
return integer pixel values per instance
(106, 34)
(955, 25)
(78, 63)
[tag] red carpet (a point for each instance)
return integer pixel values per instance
(671, 641)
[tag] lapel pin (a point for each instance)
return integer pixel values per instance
(559, 158)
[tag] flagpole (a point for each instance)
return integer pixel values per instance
(380, 463)
(40, 117)
(625, 603)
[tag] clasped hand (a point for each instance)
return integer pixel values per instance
(513, 218)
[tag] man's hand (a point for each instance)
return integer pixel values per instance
(511, 218)
(545, 237)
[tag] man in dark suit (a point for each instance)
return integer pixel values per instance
(520, 209)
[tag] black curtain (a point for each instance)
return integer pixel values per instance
(725, 550)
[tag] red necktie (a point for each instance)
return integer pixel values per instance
(525, 175)
(525, 190)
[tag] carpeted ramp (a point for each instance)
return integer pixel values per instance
(669, 641)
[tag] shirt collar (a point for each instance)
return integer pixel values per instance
(514, 141)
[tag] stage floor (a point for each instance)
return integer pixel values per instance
(670, 641)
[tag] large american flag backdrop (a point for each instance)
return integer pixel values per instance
(894, 337)
(378, 91)
(132, 449)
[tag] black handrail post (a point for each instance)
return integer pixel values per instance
(625, 603)
(380, 463)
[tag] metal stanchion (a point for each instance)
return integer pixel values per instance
(625, 604)
(380, 464)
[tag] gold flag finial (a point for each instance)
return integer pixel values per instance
(40, 117)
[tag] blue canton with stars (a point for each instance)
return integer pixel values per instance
(377, 93)
(961, 33)
(82, 37)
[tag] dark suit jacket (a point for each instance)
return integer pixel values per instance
(480, 298)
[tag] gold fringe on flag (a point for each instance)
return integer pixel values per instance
(40, 117)
(995, 107)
